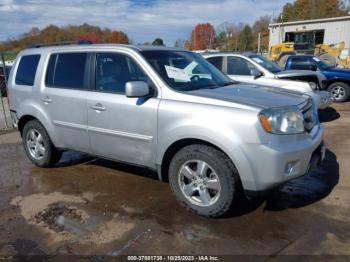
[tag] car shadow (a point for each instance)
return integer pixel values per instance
(327, 115)
(72, 158)
(125, 167)
(308, 189)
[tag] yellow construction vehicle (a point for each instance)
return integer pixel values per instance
(308, 42)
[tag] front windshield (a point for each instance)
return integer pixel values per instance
(267, 64)
(321, 64)
(185, 71)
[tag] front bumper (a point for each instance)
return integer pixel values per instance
(308, 187)
(277, 162)
(323, 99)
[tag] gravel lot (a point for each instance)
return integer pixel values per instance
(94, 207)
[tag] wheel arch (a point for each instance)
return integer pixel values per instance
(340, 80)
(176, 147)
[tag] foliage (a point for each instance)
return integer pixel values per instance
(312, 9)
(180, 43)
(246, 39)
(202, 37)
(158, 41)
(53, 34)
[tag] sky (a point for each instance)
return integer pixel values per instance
(142, 20)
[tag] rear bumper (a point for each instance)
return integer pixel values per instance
(14, 118)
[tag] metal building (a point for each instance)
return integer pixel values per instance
(317, 31)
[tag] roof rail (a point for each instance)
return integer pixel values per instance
(80, 42)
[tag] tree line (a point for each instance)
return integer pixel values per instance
(226, 37)
(244, 37)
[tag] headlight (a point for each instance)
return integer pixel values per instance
(313, 85)
(284, 120)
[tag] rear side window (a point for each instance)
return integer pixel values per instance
(216, 61)
(67, 70)
(27, 69)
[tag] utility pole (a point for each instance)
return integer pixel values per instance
(259, 42)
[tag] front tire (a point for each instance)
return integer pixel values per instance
(204, 180)
(38, 145)
(340, 91)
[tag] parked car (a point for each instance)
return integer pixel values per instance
(255, 69)
(210, 137)
(4, 74)
(338, 80)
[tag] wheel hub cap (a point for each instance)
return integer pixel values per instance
(35, 144)
(199, 183)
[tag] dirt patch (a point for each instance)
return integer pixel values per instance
(56, 215)
(110, 231)
(33, 204)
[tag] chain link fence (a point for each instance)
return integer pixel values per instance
(6, 61)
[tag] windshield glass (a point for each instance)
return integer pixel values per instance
(321, 64)
(267, 64)
(185, 71)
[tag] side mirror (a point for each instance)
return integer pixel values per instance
(137, 89)
(256, 73)
(313, 67)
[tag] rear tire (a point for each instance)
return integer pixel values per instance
(38, 145)
(204, 180)
(340, 91)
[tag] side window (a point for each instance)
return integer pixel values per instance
(216, 61)
(27, 69)
(301, 63)
(113, 71)
(67, 70)
(239, 66)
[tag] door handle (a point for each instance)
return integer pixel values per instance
(98, 107)
(46, 100)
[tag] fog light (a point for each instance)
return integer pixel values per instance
(288, 170)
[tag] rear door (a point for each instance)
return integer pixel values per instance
(64, 96)
(119, 127)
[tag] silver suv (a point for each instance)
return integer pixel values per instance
(165, 109)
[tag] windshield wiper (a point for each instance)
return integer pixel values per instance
(230, 83)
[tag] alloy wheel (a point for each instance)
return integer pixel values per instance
(35, 144)
(199, 183)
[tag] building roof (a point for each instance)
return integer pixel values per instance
(312, 21)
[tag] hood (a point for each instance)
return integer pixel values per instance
(339, 71)
(252, 95)
(287, 73)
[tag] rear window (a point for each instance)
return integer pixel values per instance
(27, 69)
(67, 70)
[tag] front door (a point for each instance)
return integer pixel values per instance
(240, 69)
(119, 127)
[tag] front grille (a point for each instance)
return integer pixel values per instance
(309, 116)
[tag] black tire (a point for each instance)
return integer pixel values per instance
(51, 155)
(340, 91)
(230, 191)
